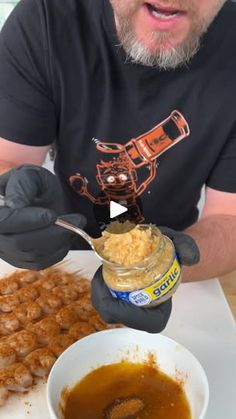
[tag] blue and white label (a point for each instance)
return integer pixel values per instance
(138, 298)
(162, 287)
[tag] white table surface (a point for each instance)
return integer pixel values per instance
(201, 320)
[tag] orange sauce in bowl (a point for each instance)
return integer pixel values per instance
(162, 397)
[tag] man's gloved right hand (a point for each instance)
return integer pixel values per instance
(28, 236)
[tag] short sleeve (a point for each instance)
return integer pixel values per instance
(27, 111)
(223, 174)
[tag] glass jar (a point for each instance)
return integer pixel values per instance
(147, 283)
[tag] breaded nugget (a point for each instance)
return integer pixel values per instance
(7, 355)
(45, 329)
(8, 286)
(29, 293)
(49, 303)
(16, 377)
(60, 343)
(40, 362)
(28, 277)
(9, 323)
(23, 342)
(9, 302)
(66, 316)
(82, 285)
(81, 329)
(28, 312)
(83, 308)
(67, 293)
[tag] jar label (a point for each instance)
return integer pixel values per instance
(163, 286)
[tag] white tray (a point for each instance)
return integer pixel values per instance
(201, 320)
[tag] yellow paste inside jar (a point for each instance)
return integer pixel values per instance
(131, 247)
(136, 279)
(144, 247)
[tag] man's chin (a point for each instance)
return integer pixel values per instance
(165, 56)
(162, 41)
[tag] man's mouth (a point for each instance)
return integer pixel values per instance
(161, 12)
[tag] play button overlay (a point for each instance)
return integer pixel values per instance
(116, 209)
(110, 213)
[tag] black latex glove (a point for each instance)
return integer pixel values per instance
(186, 248)
(151, 320)
(33, 200)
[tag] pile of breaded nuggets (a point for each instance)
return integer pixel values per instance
(41, 314)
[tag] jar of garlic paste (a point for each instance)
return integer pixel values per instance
(140, 266)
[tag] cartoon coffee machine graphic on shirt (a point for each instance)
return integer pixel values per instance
(118, 177)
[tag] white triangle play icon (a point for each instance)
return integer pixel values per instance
(116, 209)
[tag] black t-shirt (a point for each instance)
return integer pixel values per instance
(64, 79)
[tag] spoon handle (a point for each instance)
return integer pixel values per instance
(63, 224)
(77, 230)
(2, 200)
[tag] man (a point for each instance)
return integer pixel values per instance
(139, 98)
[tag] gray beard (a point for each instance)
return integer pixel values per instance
(166, 56)
(164, 59)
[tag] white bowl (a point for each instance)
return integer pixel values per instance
(112, 346)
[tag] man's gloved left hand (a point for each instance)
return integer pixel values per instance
(152, 320)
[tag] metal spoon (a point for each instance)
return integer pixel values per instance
(2, 201)
(90, 240)
(94, 243)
